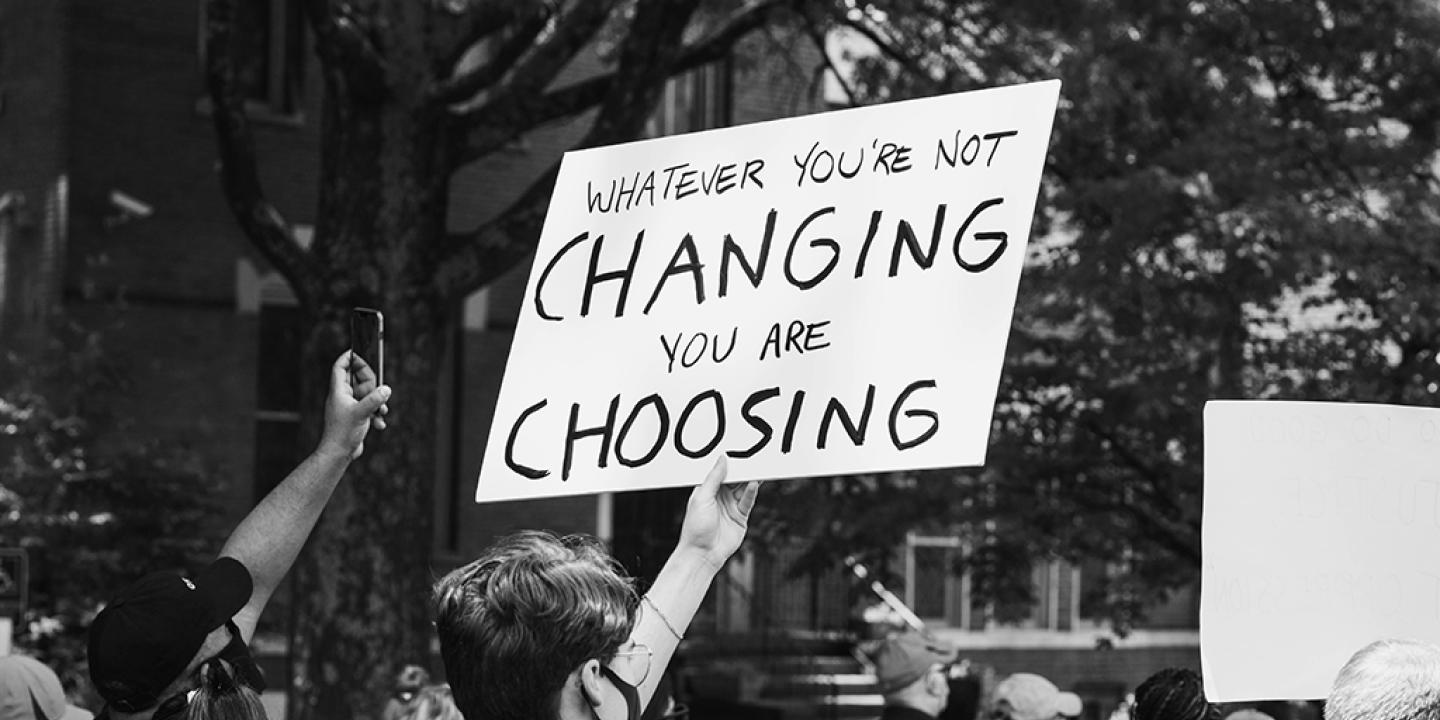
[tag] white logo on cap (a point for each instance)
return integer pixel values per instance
(187, 582)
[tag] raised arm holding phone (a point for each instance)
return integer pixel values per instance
(167, 635)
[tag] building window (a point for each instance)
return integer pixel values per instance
(931, 578)
(271, 69)
(931, 589)
(695, 100)
(33, 237)
(277, 406)
(940, 597)
(7, 229)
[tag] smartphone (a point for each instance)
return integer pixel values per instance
(367, 342)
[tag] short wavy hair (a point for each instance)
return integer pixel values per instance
(515, 622)
(1388, 680)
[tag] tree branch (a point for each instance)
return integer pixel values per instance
(529, 78)
(454, 26)
(463, 86)
(1123, 451)
(1177, 537)
(718, 44)
(566, 102)
(1149, 473)
(258, 218)
(345, 47)
(484, 254)
(650, 54)
(507, 119)
(819, 40)
(886, 46)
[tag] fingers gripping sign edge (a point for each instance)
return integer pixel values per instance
(745, 499)
(718, 472)
(737, 500)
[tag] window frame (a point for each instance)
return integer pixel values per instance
(286, 64)
(956, 588)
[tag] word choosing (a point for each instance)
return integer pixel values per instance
(620, 438)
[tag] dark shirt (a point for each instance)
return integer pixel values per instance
(901, 712)
(237, 653)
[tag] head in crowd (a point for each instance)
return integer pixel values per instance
(1248, 714)
(432, 702)
(222, 695)
(1026, 696)
(523, 624)
(911, 671)
(1388, 680)
(148, 643)
(408, 683)
(1173, 694)
(31, 691)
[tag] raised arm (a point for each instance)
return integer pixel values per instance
(716, 519)
(270, 537)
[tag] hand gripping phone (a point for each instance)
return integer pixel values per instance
(367, 342)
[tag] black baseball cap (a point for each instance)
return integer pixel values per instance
(146, 636)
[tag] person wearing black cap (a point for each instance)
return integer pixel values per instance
(154, 641)
(910, 669)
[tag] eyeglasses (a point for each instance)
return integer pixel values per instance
(637, 661)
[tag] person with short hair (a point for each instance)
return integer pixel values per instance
(1173, 694)
(148, 644)
(1027, 696)
(911, 672)
(1388, 680)
(541, 627)
(31, 691)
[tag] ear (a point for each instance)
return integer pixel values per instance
(590, 682)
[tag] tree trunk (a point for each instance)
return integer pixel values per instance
(362, 586)
(364, 582)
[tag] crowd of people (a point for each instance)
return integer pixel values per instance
(1385, 680)
(541, 627)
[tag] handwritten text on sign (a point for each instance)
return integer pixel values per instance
(820, 295)
(1321, 534)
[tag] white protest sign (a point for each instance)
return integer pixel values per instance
(1321, 534)
(819, 295)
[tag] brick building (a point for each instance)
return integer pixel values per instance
(110, 207)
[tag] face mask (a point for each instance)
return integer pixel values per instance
(627, 691)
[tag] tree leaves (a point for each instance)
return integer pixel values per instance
(93, 509)
(1239, 203)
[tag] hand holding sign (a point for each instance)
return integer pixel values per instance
(717, 516)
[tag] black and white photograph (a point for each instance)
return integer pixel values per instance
(720, 359)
